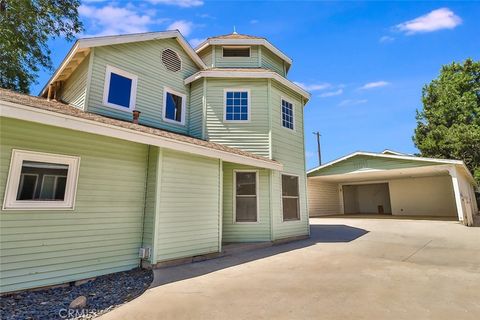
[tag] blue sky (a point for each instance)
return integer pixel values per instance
(365, 63)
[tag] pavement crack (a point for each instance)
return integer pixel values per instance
(416, 251)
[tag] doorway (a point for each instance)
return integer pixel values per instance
(367, 198)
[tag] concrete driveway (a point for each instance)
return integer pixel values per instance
(351, 268)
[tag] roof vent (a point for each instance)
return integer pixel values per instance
(171, 61)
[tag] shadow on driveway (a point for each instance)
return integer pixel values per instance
(318, 234)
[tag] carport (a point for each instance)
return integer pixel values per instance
(392, 184)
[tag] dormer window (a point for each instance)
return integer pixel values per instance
(234, 52)
(120, 89)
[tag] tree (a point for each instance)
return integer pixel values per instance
(449, 124)
(25, 28)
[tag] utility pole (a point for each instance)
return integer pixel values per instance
(318, 147)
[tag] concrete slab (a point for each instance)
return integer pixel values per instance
(350, 268)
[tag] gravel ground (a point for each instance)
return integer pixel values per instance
(103, 294)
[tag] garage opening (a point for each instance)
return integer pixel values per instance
(367, 198)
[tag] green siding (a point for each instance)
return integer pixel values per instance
(188, 223)
(288, 148)
(361, 163)
(207, 57)
(102, 235)
(144, 60)
(236, 62)
(272, 62)
(252, 136)
(74, 89)
(196, 109)
(245, 232)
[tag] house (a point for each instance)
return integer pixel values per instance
(392, 183)
(138, 143)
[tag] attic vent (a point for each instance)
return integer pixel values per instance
(171, 60)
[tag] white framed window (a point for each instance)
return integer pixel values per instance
(237, 105)
(288, 115)
(174, 106)
(41, 181)
(290, 198)
(120, 89)
(236, 52)
(245, 196)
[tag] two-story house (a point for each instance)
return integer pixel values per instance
(139, 143)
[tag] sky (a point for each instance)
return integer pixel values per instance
(365, 63)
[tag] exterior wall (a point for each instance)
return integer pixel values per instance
(323, 198)
(189, 208)
(467, 195)
(272, 62)
(104, 231)
(196, 109)
(430, 196)
(365, 198)
(236, 62)
(251, 231)
(287, 148)
(74, 89)
(207, 57)
(141, 59)
(252, 136)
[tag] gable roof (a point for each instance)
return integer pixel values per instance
(243, 39)
(398, 157)
(81, 48)
(35, 109)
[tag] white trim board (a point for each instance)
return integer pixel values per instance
(32, 114)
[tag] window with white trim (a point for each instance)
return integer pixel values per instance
(173, 106)
(287, 115)
(41, 181)
(290, 198)
(246, 196)
(237, 106)
(120, 89)
(236, 52)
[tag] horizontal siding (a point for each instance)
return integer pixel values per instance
(196, 109)
(144, 60)
(103, 233)
(249, 136)
(236, 62)
(74, 89)
(243, 232)
(272, 62)
(323, 198)
(207, 57)
(188, 222)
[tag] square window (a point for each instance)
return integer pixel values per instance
(173, 106)
(239, 102)
(120, 89)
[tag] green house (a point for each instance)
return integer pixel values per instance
(142, 151)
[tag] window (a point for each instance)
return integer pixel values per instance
(120, 89)
(173, 106)
(290, 198)
(41, 181)
(246, 197)
(237, 107)
(287, 115)
(231, 52)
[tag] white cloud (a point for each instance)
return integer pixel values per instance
(313, 87)
(185, 27)
(332, 93)
(254, 21)
(179, 3)
(372, 85)
(196, 41)
(439, 19)
(110, 20)
(386, 39)
(310, 154)
(352, 102)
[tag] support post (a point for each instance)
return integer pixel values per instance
(457, 194)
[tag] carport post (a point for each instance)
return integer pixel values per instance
(456, 191)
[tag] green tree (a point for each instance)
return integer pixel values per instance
(449, 124)
(25, 28)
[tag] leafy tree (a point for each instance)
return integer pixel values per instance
(449, 124)
(25, 28)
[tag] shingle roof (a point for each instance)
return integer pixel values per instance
(235, 36)
(65, 109)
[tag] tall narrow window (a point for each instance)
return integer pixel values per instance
(287, 115)
(174, 106)
(246, 196)
(237, 106)
(120, 89)
(290, 198)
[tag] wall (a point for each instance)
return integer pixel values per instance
(207, 57)
(74, 89)
(323, 198)
(272, 62)
(365, 198)
(196, 109)
(189, 208)
(430, 196)
(144, 60)
(101, 235)
(236, 62)
(245, 232)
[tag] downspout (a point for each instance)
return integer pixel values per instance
(270, 155)
(145, 200)
(220, 204)
(302, 102)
